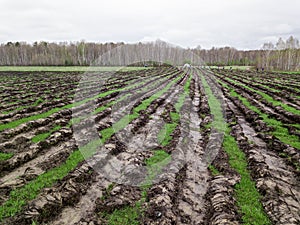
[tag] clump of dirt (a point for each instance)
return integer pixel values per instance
(159, 203)
(166, 113)
(192, 89)
(115, 146)
(116, 197)
(57, 158)
(144, 117)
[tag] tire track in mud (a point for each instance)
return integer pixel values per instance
(153, 124)
(183, 198)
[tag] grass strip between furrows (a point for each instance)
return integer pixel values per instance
(18, 122)
(259, 81)
(36, 103)
(267, 97)
(20, 196)
(164, 135)
(111, 103)
(247, 196)
(218, 122)
(130, 215)
(280, 131)
(5, 156)
(43, 136)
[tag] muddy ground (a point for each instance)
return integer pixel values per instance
(185, 190)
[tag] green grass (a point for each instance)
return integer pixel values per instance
(215, 107)
(69, 68)
(43, 136)
(131, 214)
(15, 109)
(213, 170)
(16, 123)
(125, 216)
(288, 72)
(154, 166)
(253, 79)
(159, 156)
(296, 126)
(164, 136)
(269, 88)
(20, 196)
(5, 156)
(102, 108)
(247, 196)
(36, 103)
(116, 127)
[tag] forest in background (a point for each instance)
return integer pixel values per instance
(283, 55)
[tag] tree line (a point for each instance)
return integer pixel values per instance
(283, 55)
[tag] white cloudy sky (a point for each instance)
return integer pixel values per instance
(245, 24)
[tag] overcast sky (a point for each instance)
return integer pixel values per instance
(244, 24)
